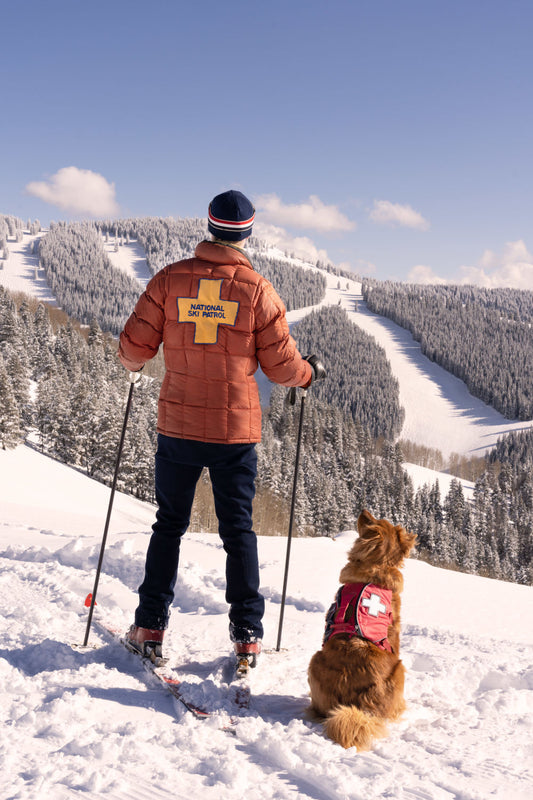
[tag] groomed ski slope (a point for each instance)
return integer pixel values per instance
(440, 412)
(91, 725)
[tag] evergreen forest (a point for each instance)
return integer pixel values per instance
(360, 382)
(87, 285)
(482, 336)
(63, 390)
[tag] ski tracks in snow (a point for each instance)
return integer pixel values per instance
(92, 723)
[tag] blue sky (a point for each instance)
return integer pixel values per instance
(393, 136)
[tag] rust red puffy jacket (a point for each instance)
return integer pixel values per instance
(217, 318)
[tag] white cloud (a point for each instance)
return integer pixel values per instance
(78, 191)
(301, 246)
(311, 215)
(360, 266)
(512, 269)
(423, 274)
(387, 213)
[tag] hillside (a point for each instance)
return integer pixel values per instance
(91, 724)
(439, 410)
(483, 336)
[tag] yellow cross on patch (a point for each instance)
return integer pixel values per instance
(207, 311)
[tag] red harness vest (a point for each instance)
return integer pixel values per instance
(363, 610)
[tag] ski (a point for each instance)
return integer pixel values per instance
(169, 680)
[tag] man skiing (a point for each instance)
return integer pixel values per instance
(217, 319)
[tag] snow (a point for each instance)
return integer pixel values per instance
(89, 724)
(440, 411)
(130, 258)
(21, 273)
(423, 476)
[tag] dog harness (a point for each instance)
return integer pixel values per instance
(362, 610)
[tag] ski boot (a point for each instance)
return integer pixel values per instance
(247, 654)
(147, 642)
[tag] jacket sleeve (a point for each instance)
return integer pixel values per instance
(143, 332)
(276, 349)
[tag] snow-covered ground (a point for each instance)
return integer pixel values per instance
(130, 258)
(21, 273)
(440, 412)
(424, 476)
(92, 724)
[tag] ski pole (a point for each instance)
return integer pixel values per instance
(134, 378)
(291, 518)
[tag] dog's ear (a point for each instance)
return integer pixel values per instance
(365, 522)
(406, 540)
(369, 546)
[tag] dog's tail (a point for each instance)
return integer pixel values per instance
(351, 727)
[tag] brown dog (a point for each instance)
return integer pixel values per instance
(357, 678)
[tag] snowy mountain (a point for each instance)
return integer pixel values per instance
(91, 723)
(439, 411)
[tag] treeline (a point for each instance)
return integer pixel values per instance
(87, 285)
(13, 227)
(298, 287)
(168, 240)
(66, 393)
(164, 240)
(482, 336)
(359, 378)
(82, 278)
(343, 468)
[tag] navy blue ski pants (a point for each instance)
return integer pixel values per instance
(232, 470)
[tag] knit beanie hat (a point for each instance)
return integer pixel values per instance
(231, 216)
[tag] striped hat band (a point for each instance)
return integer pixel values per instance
(229, 224)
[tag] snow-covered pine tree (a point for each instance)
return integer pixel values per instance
(11, 430)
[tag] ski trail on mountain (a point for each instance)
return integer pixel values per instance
(440, 412)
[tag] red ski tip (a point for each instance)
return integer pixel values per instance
(88, 600)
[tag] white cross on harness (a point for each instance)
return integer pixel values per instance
(374, 605)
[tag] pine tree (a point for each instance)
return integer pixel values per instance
(17, 366)
(11, 432)
(42, 360)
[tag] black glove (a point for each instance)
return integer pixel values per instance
(290, 399)
(319, 370)
(319, 373)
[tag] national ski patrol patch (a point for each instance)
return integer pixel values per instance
(207, 311)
